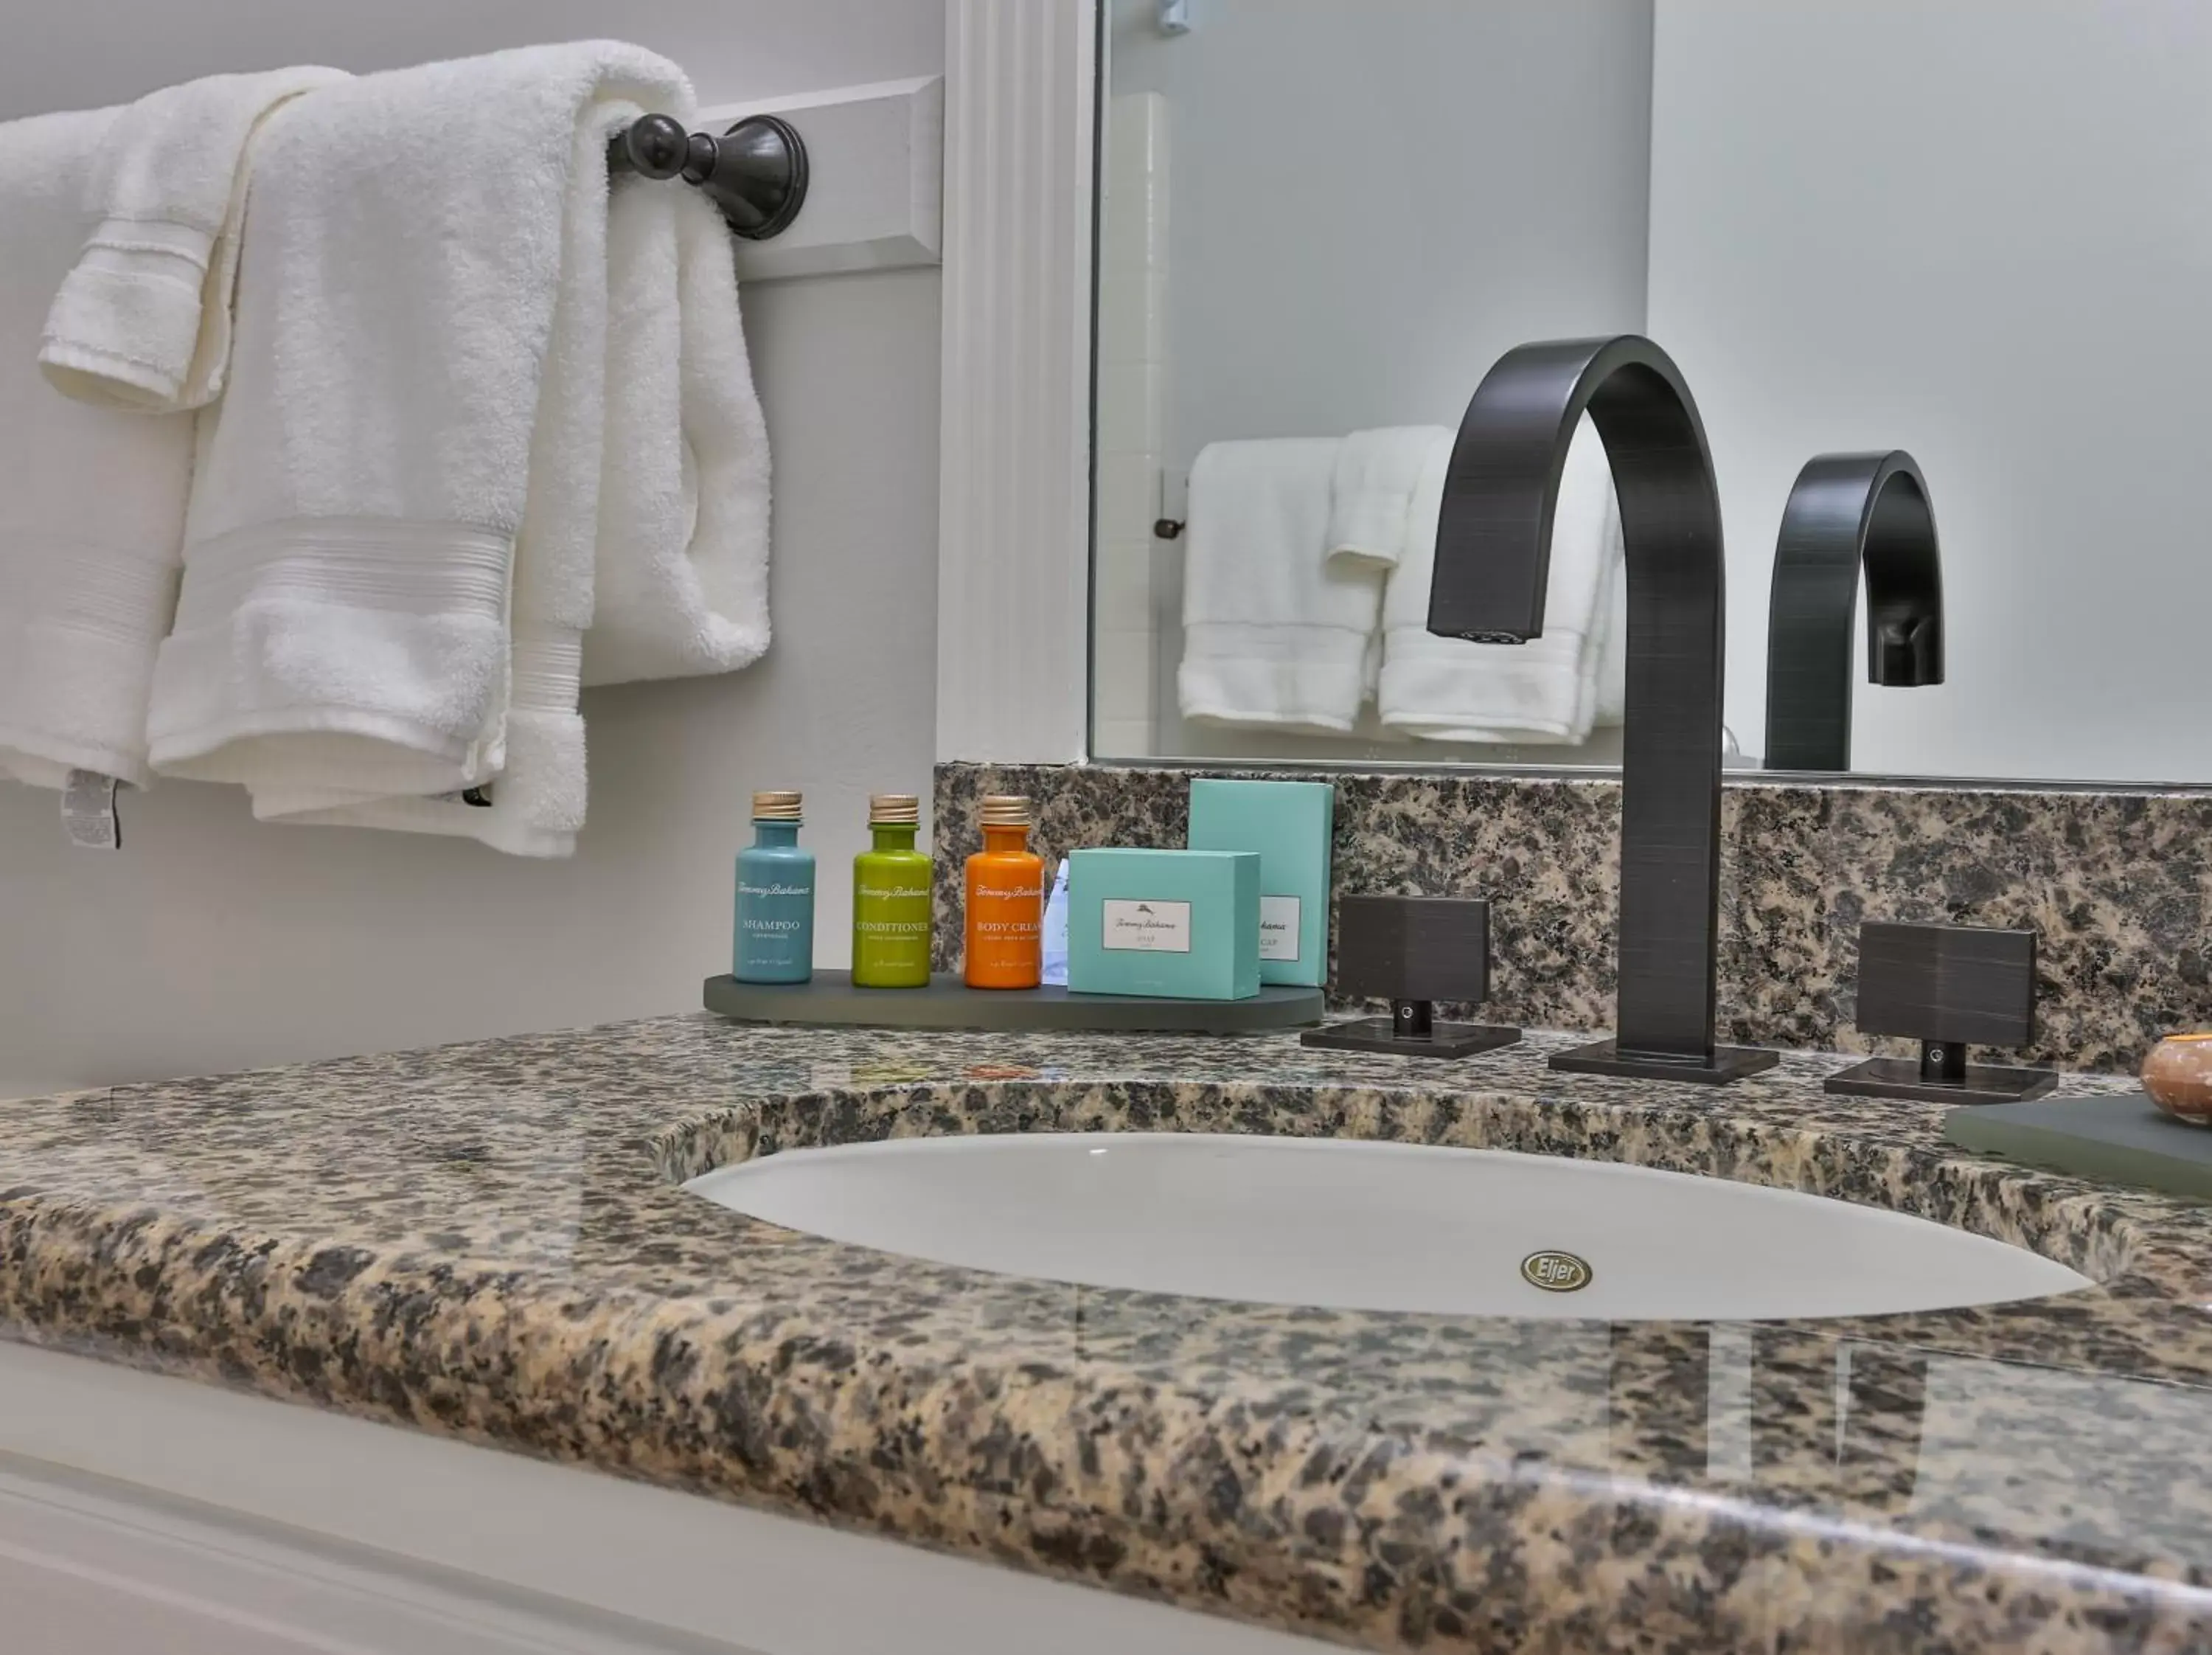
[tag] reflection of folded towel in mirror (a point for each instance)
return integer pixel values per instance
(1371, 498)
(1310, 561)
(1552, 689)
(1275, 632)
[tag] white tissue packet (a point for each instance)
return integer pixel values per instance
(1055, 929)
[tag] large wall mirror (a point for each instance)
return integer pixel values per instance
(1975, 232)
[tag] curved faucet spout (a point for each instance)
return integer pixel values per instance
(1849, 512)
(1493, 559)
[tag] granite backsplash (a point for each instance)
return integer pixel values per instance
(2114, 882)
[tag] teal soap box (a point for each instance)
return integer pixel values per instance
(1184, 924)
(1289, 825)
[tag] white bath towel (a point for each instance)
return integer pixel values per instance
(1371, 498)
(92, 501)
(143, 319)
(1547, 691)
(1275, 632)
(408, 462)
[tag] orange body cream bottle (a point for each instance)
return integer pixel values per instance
(1004, 931)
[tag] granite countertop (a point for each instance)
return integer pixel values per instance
(487, 1240)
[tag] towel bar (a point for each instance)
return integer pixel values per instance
(754, 172)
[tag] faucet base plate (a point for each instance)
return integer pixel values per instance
(1380, 1034)
(1728, 1063)
(1900, 1077)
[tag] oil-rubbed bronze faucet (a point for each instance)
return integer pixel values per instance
(1849, 512)
(1493, 557)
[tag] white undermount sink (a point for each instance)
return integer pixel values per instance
(1354, 1225)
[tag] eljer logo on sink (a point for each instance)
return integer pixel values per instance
(1556, 1272)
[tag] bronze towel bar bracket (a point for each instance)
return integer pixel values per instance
(754, 172)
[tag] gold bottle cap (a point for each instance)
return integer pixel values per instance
(1006, 810)
(894, 810)
(776, 807)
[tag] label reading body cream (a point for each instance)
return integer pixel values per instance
(1279, 928)
(1157, 928)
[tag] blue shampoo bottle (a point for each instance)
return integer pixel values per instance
(775, 936)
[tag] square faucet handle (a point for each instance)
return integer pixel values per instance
(1413, 952)
(1954, 985)
(1947, 987)
(1412, 948)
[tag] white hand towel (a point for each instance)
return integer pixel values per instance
(682, 568)
(536, 805)
(1275, 632)
(680, 571)
(1542, 692)
(92, 501)
(1371, 498)
(143, 320)
(409, 455)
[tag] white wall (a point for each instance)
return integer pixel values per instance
(1978, 231)
(1373, 202)
(212, 943)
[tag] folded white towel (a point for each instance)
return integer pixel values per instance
(92, 501)
(408, 461)
(1612, 653)
(1275, 632)
(1371, 501)
(1547, 691)
(143, 320)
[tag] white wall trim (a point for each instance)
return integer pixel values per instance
(1014, 470)
(876, 160)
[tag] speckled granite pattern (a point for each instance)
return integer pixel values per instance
(487, 1240)
(2118, 886)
